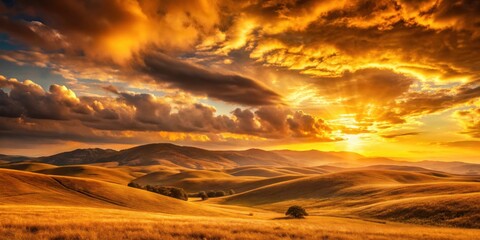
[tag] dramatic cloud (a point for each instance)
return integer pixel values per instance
(470, 119)
(146, 112)
(278, 69)
(367, 85)
(417, 103)
(395, 135)
(126, 31)
(475, 145)
(113, 29)
(196, 79)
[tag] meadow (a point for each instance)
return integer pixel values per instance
(93, 201)
(37, 222)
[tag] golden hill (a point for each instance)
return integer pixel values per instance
(239, 179)
(175, 156)
(26, 188)
(458, 210)
(113, 175)
(367, 192)
(27, 166)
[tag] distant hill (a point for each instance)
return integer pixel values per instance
(196, 158)
(451, 167)
(78, 156)
(315, 157)
(170, 155)
(13, 158)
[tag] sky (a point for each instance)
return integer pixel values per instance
(393, 78)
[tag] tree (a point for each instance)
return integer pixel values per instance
(150, 188)
(220, 193)
(134, 185)
(296, 212)
(203, 195)
(211, 193)
(178, 193)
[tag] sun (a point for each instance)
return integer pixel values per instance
(353, 142)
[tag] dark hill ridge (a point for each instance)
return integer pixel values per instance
(13, 158)
(78, 156)
(169, 154)
(172, 155)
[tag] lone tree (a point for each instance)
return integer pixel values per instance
(296, 212)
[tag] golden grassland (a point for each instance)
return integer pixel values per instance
(40, 201)
(55, 222)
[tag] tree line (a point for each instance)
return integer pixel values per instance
(180, 193)
(204, 195)
(174, 192)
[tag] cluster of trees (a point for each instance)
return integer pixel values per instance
(180, 193)
(174, 192)
(204, 195)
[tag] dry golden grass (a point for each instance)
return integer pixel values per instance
(339, 204)
(375, 193)
(35, 222)
(112, 175)
(19, 187)
(259, 172)
(203, 180)
(27, 166)
(459, 210)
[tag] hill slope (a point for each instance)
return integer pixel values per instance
(174, 156)
(20, 187)
(113, 175)
(78, 156)
(373, 193)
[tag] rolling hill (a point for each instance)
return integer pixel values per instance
(27, 166)
(19, 187)
(113, 175)
(174, 156)
(13, 158)
(374, 193)
(78, 156)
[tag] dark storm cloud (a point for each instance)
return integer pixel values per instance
(196, 79)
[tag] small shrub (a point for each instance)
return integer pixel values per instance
(178, 193)
(134, 185)
(203, 195)
(220, 193)
(231, 192)
(296, 212)
(211, 194)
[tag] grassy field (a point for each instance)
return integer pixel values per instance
(36, 222)
(39, 201)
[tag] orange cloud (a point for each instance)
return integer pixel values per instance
(146, 112)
